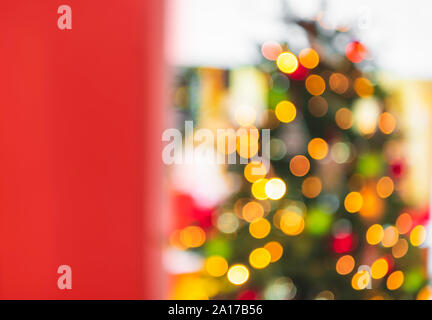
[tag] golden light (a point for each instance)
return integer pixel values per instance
(345, 264)
(270, 50)
(386, 123)
(299, 165)
(353, 202)
(252, 211)
(417, 235)
(344, 118)
(318, 148)
(395, 280)
(363, 87)
(285, 111)
(360, 280)
(291, 223)
(192, 237)
(287, 62)
(311, 187)
(309, 58)
(275, 188)
(254, 171)
(404, 223)
(391, 237)
(247, 143)
(315, 85)
(400, 248)
(238, 274)
(260, 228)
(374, 234)
(259, 258)
(258, 189)
(317, 106)
(385, 187)
(275, 249)
(379, 268)
(338, 83)
(216, 266)
(425, 293)
(373, 206)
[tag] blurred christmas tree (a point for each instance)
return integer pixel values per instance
(323, 218)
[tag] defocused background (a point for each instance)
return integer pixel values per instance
(341, 209)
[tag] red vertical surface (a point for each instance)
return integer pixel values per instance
(79, 149)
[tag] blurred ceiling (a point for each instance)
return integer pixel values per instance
(224, 33)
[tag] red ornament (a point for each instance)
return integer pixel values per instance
(343, 243)
(355, 52)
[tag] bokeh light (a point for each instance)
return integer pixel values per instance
(363, 87)
(216, 266)
(299, 165)
(404, 223)
(260, 228)
(385, 187)
(292, 223)
(339, 83)
(379, 268)
(395, 280)
(192, 236)
(259, 258)
(318, 148)
(340, 152)
(374, 234)
(275, 249)
(258, 189)
(400, 248)
(271, 50)
(360, 280)
(254, 171)
(311, 187)
(417, 235)
(386, 123)
(355, 52)
(317, 106)
(353, 202)
(391, 237)
(275, 188)
(309, 58)
(238, 274)
(287, 62)
(344, 118)
(315, 85)
(345, 264)
(247, 142)
(227, 223)
(252, 211)
(285, 111)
